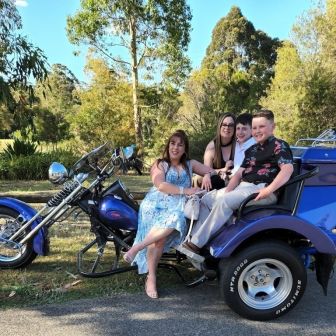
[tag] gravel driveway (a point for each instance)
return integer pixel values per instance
(196, 311)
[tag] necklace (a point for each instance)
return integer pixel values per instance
(226, 145)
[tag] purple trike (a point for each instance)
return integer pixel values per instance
(260, 260)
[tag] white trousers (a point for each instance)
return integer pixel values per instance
(217, 207)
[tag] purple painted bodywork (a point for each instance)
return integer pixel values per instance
(27, 212)
(317, 206)
(318, 200)
(115, 213)
(232, 236)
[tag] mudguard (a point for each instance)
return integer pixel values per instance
(40, 242)
(324, 264)
(232, 236)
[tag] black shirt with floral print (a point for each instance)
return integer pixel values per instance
(262, 161)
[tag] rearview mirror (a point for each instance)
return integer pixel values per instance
(129, 151)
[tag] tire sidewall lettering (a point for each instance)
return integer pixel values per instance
(231, 279)
(291, 300)
(235, 274)
(286, 305)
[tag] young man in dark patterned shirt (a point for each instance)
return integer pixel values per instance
(267, 165)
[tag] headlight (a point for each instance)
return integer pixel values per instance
(57, 173)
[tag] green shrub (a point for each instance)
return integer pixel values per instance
(33, 167)
(20, 147)
(198, 143)
(4, 166)
(66, 157)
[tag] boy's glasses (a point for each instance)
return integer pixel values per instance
(227, 125)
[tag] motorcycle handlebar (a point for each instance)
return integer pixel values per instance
(129, 159)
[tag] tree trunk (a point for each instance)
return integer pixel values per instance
(135, 86)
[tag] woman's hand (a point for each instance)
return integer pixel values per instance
(227, 169)
(229, 165)
(222, 173)
(206, 182)
(191, 191)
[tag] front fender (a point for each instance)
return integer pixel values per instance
(232, 236)
(40, 243)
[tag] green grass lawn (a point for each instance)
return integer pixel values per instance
(133, 182)
(54, 278)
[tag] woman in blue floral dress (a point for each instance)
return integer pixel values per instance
(161, 222)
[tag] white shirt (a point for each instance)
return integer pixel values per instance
(240, 153)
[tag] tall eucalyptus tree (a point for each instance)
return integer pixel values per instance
(20, 61)
(135, 35)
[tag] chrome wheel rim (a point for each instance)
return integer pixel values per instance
(8, 254)
(265, 284)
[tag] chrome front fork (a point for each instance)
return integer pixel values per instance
(54, 214)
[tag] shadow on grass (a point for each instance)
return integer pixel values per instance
(55, 278)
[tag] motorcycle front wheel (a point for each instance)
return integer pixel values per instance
(11, 256)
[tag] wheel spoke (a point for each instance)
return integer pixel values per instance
(253, 291)
(273, 273)
(270, 289)
(259, 285)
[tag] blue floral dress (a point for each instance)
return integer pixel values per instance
(161, 210)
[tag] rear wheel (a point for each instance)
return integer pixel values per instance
(263, 281)
(10, 255)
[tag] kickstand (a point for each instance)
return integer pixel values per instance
(174, 268)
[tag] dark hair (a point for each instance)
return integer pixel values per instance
(165, 155)
(244, 119)
(217, 139)
(268, 114)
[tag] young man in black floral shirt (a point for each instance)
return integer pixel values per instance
(267, 166)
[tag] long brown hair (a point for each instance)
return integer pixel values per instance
(185, 157)
(217, 139)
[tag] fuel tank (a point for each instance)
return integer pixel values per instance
(117, 208)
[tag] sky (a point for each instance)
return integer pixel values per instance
(44, 23)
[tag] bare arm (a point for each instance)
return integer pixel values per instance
(235, 180)
(159, 180)
(200, 168)
(209, 154)
(283, 176)
(205, 171)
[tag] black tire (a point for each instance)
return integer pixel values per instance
(14, 258)
(263, 281)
